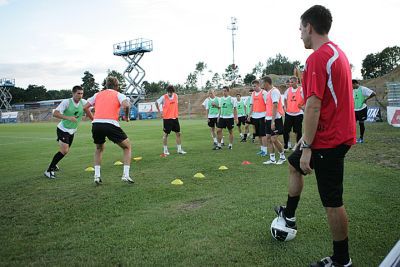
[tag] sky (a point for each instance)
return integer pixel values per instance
(53, 42)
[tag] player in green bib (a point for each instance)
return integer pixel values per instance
(242, 112)
(211, 105)
(227, 117)
(361, 94)
(70, 111)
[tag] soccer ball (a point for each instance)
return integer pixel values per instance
(280, 232)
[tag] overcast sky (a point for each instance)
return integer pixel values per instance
(52, 42)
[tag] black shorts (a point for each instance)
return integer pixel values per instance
(329, 167)
(65, 137)
(260, 126)
(241, 121)
(361, 115)
(226, 123)
(102, 130)
(171, 125)
(212, 122)
(278, 127)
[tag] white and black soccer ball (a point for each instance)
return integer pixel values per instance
(280, 232)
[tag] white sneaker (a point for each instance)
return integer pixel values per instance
(97, 180)
(280, 161)
(127, 179)
(181, 152)
(269, 162)
(166, 153)
(50, 175)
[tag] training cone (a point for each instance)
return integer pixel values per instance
(89, 169)
(199, 175)
(163, 155)
(118, 163)
(137, 158)
(223, 168)
(177, 182)
(246, 162)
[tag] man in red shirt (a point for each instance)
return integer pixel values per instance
(329, 131)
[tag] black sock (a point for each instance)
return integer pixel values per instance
(341, 251)
(244, 136)
(254, 136)
(291, 206)
(362, 130)
(57, 157)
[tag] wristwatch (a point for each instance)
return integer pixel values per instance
(304, 144)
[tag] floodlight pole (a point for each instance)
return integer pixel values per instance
(233, 27)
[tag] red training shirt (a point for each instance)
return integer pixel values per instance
(327, 76)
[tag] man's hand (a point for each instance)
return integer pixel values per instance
(305, 160)
(72, 119)
(273, 125)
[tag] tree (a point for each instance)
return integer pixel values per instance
(257, 70)
(208, 85)
(35, 93)
(249, 78)
(200, 67)
(18, 95)
(216, 80)
(89, 84)
(231, 74)
(154, 88)
(191, 81)
(120, 78)
(376, 65)
(280, 65)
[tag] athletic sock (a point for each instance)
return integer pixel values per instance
(291, 206)
(264, 149)
(97, 170)
(341, 251)
(126, 170)
(179, 147)
(57, 157)
(362, 130)
(282, 155)
(272, 156)
(215, 140)
(165, 148)
(245, 136)
(254, 136)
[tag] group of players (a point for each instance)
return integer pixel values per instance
(264, 109)
(328, 97)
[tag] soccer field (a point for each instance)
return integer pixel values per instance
(222, 219)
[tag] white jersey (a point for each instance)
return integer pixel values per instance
(61, 108)
(276, 97)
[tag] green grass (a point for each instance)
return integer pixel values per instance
(222, 219)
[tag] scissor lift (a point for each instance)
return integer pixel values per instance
(132, 51)
(5, 95)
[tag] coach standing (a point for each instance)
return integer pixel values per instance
(107, 104)
(329, 131)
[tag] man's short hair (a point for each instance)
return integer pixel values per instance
(319, 17)
(111, 83)
(226, 88)
(267, 79)
(251, 90)
(238, 94)
(354, 81)
(294, 78)
(77, 88)
(170, 89)
(255, 82)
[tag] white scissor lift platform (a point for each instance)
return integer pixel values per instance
(132, 51)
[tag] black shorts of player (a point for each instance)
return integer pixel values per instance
(328, 165)
(278, 127)
(226, 123)
(251, 120)
(361, 115)
(65, 137)
(241, 121)
(102, 130)
(212, 122)
(171, 125)
(260, 126)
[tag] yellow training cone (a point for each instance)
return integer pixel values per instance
(117, 163)
(177, 182)
(89, 169)
(137, 158)
(199, 175)
(223, 168)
